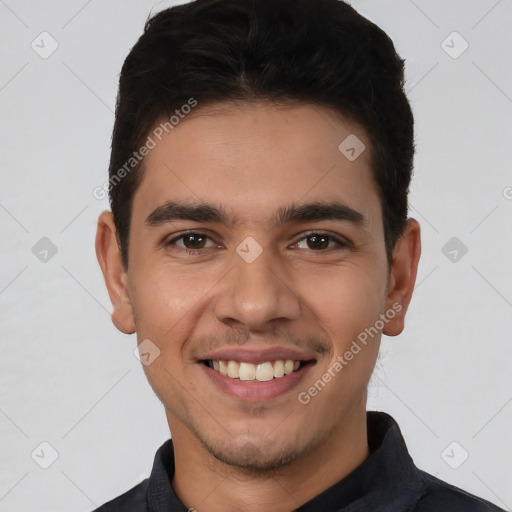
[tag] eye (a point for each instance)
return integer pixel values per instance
(191, 242)
(320, 242)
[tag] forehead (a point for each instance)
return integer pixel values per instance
(253, 159)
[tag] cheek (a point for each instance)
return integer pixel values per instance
(346, 303)
(167, 304)
(346, 300)
(163, 297)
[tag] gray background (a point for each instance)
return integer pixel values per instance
(68, 378)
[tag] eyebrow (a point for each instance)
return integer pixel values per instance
(204, 212)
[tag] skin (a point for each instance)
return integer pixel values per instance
(269, 455)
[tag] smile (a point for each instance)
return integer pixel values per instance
(261, 372)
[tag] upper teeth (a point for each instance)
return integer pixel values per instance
(262, 372)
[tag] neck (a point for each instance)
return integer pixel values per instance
(204, 483)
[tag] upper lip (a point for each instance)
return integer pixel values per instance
(256, 356)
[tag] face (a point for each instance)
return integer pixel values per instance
(255, 241)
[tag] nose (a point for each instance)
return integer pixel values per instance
(254, 294)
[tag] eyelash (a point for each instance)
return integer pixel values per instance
(342, 244)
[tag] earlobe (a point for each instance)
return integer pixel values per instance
(402, 279)
(114, 273)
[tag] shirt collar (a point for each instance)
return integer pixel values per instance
(388, 476)
(386, 480)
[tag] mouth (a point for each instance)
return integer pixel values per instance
(261, 372)
(255, 382)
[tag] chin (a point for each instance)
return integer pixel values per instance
(254, 454)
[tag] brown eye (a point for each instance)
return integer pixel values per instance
(190, 242)
(194, 241)
(320, 242)
(317, 242)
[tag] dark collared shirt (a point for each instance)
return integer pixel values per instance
(387, 481)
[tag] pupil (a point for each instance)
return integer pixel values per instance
(318, 242)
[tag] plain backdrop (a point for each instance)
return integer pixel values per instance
(69, 379)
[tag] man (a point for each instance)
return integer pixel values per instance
(259, 246)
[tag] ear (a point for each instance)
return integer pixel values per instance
(402, 278)
(114, 273)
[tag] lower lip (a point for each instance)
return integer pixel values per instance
(254, 390)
